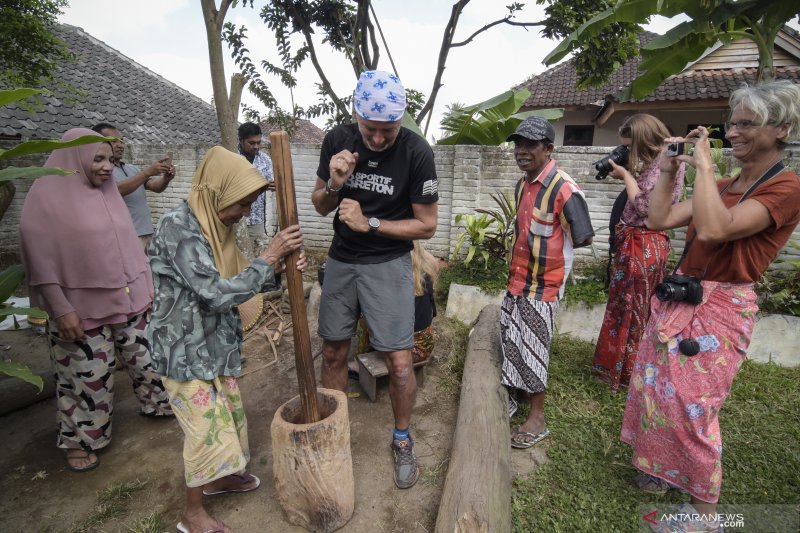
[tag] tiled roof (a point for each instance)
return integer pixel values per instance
(113, 88)
(556, 86)
(305, 132)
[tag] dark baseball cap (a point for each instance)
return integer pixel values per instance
(534, 129)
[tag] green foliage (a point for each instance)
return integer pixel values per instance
(30, 52)
(491, 279)
(603, 52)
(500, 238)
(779, 289)
(759, 425)
(712, 22)
(474, 237)
(590, 292)
(489, 123)
(20, 371)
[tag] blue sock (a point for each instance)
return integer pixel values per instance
(400, 434)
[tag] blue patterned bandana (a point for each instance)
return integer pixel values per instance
(379, 96)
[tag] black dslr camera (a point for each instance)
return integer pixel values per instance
(679, 288)
(618, 155)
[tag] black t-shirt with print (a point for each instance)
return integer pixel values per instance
(385, 184)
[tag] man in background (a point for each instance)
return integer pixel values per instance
(260, 213)
(132, 182)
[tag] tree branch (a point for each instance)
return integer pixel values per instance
(326, 85)
(237, 86)
(447, 39)
(506, 20)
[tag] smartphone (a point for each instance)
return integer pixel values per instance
(168, 159)
(674, 149)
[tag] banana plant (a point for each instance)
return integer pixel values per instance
(501, 235)
(489, 123)
(474, 237)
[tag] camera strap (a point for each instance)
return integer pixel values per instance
(773, 171)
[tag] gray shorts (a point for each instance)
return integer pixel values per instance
(383, 292)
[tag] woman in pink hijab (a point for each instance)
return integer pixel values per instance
(84, 265)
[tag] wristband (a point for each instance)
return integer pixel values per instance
(329, 190)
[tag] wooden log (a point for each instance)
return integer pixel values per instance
(312, 464)
(287, 216)
(477, 491)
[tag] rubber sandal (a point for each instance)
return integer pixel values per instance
(220, 528)
(91, 466)
(244, 478)
(534, 439)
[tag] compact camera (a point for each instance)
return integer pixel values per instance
(618, 155)
(679, 288)
(674, 149)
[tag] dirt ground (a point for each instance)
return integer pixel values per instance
(40, 494)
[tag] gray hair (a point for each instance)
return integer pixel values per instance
(774, 103)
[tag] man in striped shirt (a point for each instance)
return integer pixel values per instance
(552, 220)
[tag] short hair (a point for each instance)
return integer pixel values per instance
(248, 129)
(100, 126)
(774, 103)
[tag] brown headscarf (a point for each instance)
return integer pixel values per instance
(222, 179)
(80, 238)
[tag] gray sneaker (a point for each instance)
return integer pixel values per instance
(406, 470)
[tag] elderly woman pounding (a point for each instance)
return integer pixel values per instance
(699, 329)
(200, 276)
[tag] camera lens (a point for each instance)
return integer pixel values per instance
(670, 292)
(689, 347)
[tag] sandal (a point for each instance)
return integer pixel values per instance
(85, 455)
(651, 484)
(518, 438)
(219, 528)
(244, 478)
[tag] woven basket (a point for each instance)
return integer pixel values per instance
(251, 311)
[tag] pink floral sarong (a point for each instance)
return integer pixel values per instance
(673, 400)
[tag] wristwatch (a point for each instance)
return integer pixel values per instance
(329, 187)
(374, 224)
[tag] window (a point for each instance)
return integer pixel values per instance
(578, 135)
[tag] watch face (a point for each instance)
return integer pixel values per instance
(374, 223)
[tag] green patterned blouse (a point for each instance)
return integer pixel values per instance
(195, 331)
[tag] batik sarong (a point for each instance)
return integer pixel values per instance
(638, 266)
(526, 331)
(673, 400)
(424, 341)
(212, 418)
(84, 375)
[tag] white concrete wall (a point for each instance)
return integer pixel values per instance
(468, 175)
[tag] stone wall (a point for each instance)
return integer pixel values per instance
(468, 175)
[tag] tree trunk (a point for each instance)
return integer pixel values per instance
(225, 117)
(477, 491)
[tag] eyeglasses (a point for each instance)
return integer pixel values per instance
(739, 125)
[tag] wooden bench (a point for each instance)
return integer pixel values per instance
(372, 367)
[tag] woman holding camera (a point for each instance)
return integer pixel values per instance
(690, 353)
(641, 253)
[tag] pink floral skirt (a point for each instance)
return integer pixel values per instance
(673, 400)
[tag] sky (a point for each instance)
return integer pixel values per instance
(168, 37)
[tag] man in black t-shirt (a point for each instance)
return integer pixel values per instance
(382, 178)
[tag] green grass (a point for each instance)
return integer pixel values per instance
(586, 486)
(112, 502)
(456, 334)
